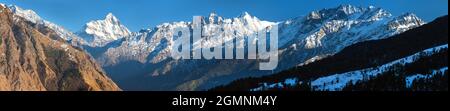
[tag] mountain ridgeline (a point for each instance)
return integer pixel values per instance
(401, 62)
(141, 60)
(33, 57)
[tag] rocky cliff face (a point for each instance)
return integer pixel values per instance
(34, 58)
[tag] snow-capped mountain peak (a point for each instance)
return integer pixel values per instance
(360, 23)
(375, 14)
(410, 17)
(111, 18)
(214, 18)
(404, 22)
(33, 17)
(29, 15)
(245, 15)
(331, 29)
(102, 32)
(349, 9)
(348, 12)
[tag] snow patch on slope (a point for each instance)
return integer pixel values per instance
(337, 82)
(286, 83)
(411, 79)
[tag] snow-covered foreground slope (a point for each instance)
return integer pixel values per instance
(336, 82)
(410, 79)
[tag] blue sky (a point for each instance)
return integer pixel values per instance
(138, 14)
